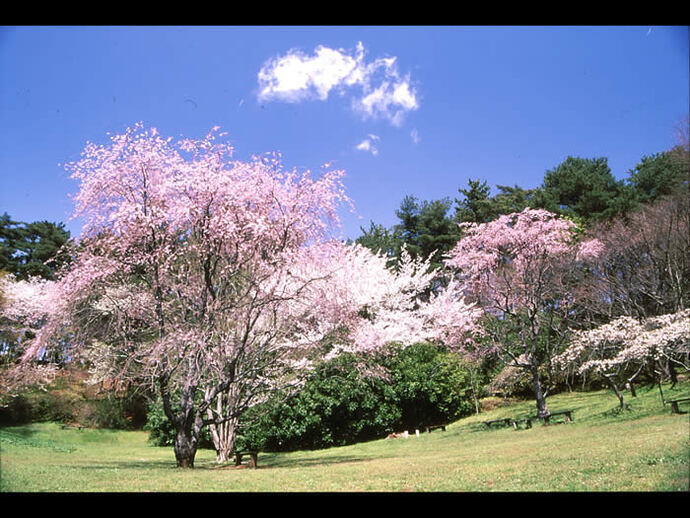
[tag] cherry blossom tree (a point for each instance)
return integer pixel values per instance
(520, 270)
(25, 304)
(190, 272)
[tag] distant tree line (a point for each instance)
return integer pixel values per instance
(582, 189)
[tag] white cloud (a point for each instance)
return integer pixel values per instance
(369, 144)
(379, 90)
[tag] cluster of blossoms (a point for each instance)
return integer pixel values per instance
(400, 306)
(30, 306)
(590, 250)
(626, 341)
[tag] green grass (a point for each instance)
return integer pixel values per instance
(644, 448)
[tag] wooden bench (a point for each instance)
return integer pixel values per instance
(504, 421)
(253, 458)
(71, 426)
(567, 413)
(435, 427)
(674, 404)
(526, 420)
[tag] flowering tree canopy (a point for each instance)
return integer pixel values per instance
(397, 305)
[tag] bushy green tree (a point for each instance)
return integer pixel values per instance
(352, 399)
(161, 430)
(425, 227)
(380, 239)
(477, 206)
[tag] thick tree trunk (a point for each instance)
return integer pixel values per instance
(185, 449)
(224, 433)
(187, 427)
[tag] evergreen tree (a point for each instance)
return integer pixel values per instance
(32, 249)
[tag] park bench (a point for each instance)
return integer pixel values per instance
(67, 426)
(674, 404)
(253, 458)
(527, 421)
(504, 421)
(435, 427)
(568, 415)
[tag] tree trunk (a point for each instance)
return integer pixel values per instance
(224, 433)
(185, 449)
(187, 428)
(614, 387)
(224, 437)
(539, 392)
(631, 387)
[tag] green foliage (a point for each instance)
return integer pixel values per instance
(426, 228)
(161, 430)
(431, 386)
(659, 175)
(475, 206)
(118, 413)
(32, 249)
(352, 399)
(585, 188)
(337, 405)
(59, 402)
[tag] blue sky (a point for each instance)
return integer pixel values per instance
(403, 110)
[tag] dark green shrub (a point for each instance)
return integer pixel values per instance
(16, 411)
(343, 402)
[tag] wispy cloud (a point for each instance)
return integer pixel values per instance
(377, 87)
(414, 135)
(369, 144)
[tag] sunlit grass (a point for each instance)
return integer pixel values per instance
(643, 448)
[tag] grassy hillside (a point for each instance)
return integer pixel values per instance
(644, 448)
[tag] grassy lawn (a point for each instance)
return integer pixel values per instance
(644, 448)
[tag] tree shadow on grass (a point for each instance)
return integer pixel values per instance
(266, 461)
(128, 465)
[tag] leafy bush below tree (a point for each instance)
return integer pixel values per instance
(352, 399)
